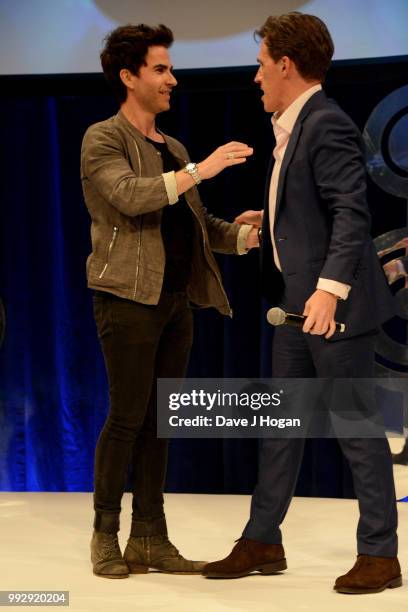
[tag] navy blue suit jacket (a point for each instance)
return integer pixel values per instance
(322, 221)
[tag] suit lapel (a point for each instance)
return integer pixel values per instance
(268, 182)
(318, 100)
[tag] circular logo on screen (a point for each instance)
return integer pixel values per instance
(386, 140)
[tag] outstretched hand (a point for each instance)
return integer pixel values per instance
(230, 154)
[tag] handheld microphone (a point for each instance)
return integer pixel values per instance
(277, 316)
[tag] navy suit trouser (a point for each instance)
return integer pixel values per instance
(299, 355)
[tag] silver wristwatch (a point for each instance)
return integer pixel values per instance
(192, 170)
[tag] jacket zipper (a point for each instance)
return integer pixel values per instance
(139, 244)
(205, 255)
(111, 244)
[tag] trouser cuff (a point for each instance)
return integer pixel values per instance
(151, 527)
(260, 535)
(108, 523)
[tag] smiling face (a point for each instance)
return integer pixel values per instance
(152, 86)
(271, 77)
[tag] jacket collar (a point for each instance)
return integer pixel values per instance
(135, 133)
(318, 100)
(287, 119)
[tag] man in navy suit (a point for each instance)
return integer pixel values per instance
(317, 259)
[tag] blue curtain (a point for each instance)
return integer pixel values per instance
(53, 390)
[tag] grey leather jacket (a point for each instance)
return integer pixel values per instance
(125, 191)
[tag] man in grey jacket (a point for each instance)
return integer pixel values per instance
(152, 243)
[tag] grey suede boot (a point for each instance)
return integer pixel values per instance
(106, 556)
(157, 552)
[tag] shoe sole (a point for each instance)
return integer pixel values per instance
(266, 569)
(391, 584)
(144, 569)
(111, 576)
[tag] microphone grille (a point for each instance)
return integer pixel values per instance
(275, 316)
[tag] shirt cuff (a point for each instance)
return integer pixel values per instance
(340, 290)
(242, 239)
(171, 186)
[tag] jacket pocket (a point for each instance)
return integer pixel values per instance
(110, 248)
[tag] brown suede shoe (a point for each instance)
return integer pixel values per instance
(157, 552)
(106, 556)
(246, 557)
(370, 575)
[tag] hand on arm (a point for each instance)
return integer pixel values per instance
(250, 217)
(254, 218)
(320, 309)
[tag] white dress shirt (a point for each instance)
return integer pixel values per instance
(283, 126)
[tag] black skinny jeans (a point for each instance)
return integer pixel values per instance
(140, 343)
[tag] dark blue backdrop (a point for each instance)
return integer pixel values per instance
(53, 393)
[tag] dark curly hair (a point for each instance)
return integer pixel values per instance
(305, 39)
(127, 47)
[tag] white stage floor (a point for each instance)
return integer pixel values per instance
(45, 544)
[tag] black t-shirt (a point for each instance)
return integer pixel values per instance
(177, 229)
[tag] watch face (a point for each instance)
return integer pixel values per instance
(190, 167)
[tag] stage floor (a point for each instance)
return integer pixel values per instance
(45, 545)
